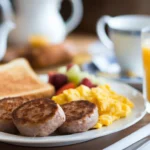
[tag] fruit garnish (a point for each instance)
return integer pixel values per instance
(65, 87)
(73, 74)
(76, 76)
(87, 83)
(62, 70)
(58, 80)
(69, 66)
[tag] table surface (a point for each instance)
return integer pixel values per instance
(82, 41)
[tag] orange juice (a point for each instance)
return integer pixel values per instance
(146, 65)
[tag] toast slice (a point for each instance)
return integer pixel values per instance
(17, 79)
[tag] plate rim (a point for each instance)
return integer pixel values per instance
(66, 139)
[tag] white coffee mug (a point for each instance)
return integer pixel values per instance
(124, 32)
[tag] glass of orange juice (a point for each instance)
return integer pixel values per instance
(146, 64)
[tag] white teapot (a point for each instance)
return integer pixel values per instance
(42, 18)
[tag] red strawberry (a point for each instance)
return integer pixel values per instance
(58, 80)
(69, 66)
(87, 83)
(65, 87)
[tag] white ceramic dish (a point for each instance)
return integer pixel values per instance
(59, 140)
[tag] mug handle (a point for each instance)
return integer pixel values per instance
(76, 15)
(102, 32)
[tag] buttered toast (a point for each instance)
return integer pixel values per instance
(18, 79)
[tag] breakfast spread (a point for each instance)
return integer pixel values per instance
(111, 106)
(73, 101)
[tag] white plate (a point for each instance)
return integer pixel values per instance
(59, 140)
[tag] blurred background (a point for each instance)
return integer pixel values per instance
(80, 46)
(94, 9)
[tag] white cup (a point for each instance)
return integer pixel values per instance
(124, 32)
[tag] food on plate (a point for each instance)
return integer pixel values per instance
(85, 100)
(39, 117)
(7, 106)
(57, 80)
(76, 75)
(69, 66)
(65, 87)
(18, 79)
(87, 83)
(81, 116)
(111, 106)
(71, 76)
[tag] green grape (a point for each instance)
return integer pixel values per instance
(62, 70)
(73, 74)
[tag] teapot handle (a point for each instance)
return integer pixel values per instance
(6, 26)
(7, 11)
(76, 16)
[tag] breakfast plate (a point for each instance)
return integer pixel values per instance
(137, 114)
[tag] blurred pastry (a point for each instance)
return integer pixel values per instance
(49, 55)
(42, 54)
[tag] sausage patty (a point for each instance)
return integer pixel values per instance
(80, 116)
(39, 117)
(7, 105)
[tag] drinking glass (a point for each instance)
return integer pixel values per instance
(146, 64)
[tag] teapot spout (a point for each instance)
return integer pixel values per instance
(5, 28)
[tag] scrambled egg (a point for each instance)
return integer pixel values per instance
(111, 106)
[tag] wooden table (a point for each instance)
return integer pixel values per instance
(95, 144)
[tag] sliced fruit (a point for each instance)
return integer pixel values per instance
(62, 70)
(87, 82)
(84, 75)
(65, 87)
(58, 80)
(69, 66)
(73, 74)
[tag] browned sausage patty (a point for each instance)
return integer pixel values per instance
(80, 116)
(39, 117)
(7, 105)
